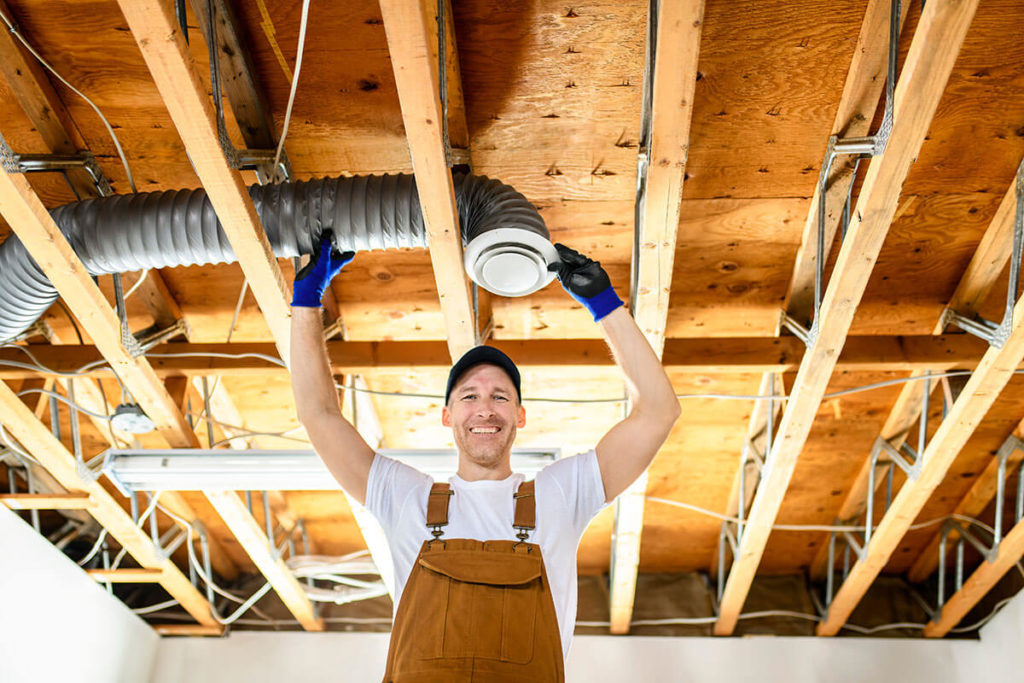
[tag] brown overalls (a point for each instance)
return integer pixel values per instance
(474, 610)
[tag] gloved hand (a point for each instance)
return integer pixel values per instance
(312, 280)
(586, 281)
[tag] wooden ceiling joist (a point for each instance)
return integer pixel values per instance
(981, 581)
(929, 62)
(44, 241)
(861, 92)
(712, 355)
(254, 540)
(36, 438)
(47, 501)
(40, 102)
(977, 396)
(238, 78)
(411, 30)
(679, 26)
(32, 223)
(184, 93)
(973, 504)
(979, 278)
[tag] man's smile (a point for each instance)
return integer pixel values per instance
(485, 430)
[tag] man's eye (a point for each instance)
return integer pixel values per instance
(500, 398)
(468, 396)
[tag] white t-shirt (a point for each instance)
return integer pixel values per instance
(569, 492)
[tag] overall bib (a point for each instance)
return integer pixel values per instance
(476, 611)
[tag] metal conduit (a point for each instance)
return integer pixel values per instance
(179, 227)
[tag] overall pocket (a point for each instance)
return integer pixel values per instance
(490, 602)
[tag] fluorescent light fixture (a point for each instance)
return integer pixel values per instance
(198, 469)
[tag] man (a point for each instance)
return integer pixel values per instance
(485, 566)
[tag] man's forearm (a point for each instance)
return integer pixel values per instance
(649, 387)
(312, 381)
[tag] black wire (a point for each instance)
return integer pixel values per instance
(67, 312)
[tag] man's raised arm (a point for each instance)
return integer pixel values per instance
(629, 446)
(343, 450)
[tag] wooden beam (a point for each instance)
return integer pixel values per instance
(47, 501)
(857, 105)
(978, 395)
(863, 88)
(710, 355)
(971, 505)
(238, 76)
(48, 246)
(254, 541)
(931, 57)
(679, 26)
(411, 30)
(126, 575)
(32, 89)
(979, 278)
(988, 573)
(185, 93)
(186, 630)
(37, 439)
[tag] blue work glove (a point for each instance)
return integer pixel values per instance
(586, 281)
(312, 280)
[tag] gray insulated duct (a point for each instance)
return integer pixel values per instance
(506, 242)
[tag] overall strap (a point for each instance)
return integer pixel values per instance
(437, 507)
(526, 510)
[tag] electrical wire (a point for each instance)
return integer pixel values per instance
(206, 579)
(63, 399)
(136, 285)
(85, 369)
(295, 86)
(117, 143)
(71, 319)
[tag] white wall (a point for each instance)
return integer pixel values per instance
(57, 624)
(356, 657)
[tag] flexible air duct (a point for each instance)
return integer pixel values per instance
(507, 247)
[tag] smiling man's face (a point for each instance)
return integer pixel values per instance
(484, 413)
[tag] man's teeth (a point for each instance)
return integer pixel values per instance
(483, 430)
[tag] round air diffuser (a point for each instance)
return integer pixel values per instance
(510, 261)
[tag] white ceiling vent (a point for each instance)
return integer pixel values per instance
(510, 261)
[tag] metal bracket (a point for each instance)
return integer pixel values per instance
(872, 145)
(997, 334)
(13, 162)
(911, 468)
(807, 336)
(851, 540)
(151, 336)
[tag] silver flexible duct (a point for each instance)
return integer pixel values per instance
(179, 227)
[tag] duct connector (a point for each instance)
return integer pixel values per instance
(507, 247)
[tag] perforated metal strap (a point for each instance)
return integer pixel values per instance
(526, 509)
(437, 507)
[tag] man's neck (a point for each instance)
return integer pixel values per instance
(470, 471)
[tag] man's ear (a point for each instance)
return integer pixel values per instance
(521, 417)
(446, 417)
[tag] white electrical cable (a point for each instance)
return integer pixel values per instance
(136, 284)
(117, 143)
(202, 574)
(63, 399)
(295, 85)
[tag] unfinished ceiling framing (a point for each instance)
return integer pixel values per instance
(814, 251)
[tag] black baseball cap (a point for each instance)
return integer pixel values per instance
(483, 355)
